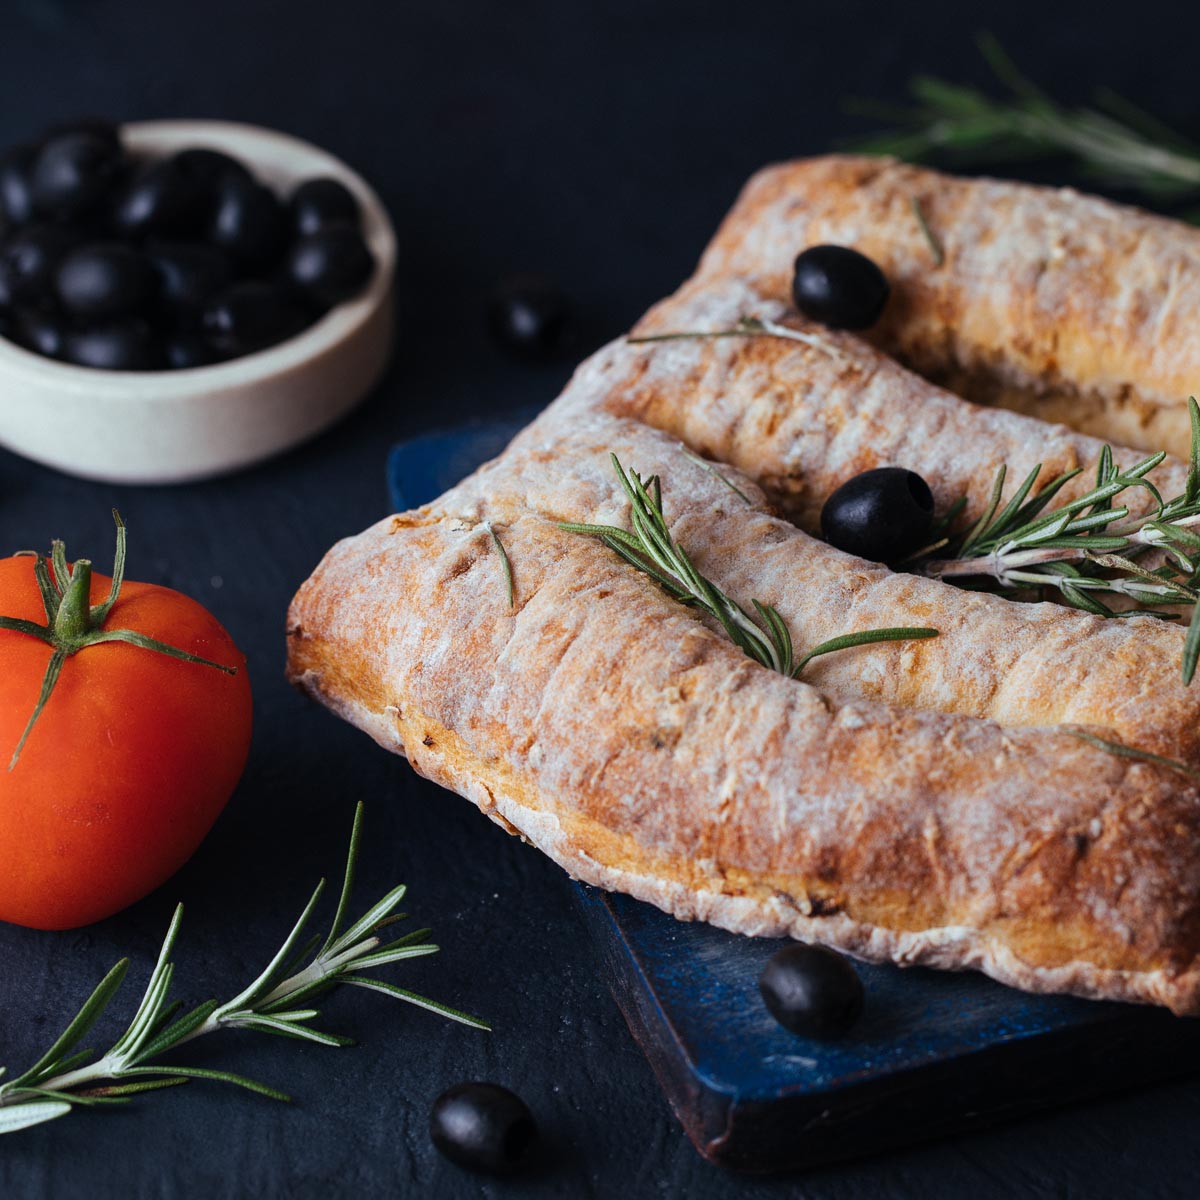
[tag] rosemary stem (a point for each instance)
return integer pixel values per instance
(999, 564)
(97, 1072)
(318, 970)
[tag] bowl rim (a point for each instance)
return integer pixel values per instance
(340, 323)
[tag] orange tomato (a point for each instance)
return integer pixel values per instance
(129, 763)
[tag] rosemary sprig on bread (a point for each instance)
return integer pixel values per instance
(651, 548)
(1089, 546)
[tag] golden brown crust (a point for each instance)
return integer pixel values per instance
(911, 802)
(1053, 302)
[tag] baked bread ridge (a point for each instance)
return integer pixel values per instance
(1015, 663)
(1053, 302)
(802, 418)
(641, 750)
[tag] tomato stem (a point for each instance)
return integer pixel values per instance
(73, 623)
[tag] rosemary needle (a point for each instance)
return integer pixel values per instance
(1122, 751)
(705, 465)
(505, 565)
(935, 247)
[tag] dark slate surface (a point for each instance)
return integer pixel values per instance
(601, 142)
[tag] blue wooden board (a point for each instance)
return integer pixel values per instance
(934, 1053)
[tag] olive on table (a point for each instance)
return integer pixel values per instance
(105, 279)
(884, 515)
(483, 1127)
(252, 315)
(115, 346)
(528, 314)
(331, 265)
(73, 175)
(812, 991)
(319, 202)
(839, 287)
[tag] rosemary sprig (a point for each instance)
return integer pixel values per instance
(277, 1001)
(1113, 142)
(1088, 547)
(651, 548)
(745, 327)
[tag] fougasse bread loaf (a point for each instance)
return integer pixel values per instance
(925, 801)
(641, 750)
(1054, 303)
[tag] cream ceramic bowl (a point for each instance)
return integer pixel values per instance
(172, 426)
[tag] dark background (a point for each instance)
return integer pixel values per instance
(600, 143)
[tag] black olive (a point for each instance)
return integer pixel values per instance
(528, 314)
(884, 515)
(249, 224)
(160, 202)
(184, 350)
(812, 991)
(206, 169)
(191, 274)
(40, 331)
(331, 265)
(74, 174)
(106, 279)
(118, 346)
(16, 190)
(31, 257)
(100, 127)
(320, 202)
(483, 1127)
(839, 287)
(252, 315)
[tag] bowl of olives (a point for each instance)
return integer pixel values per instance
(180, 299)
